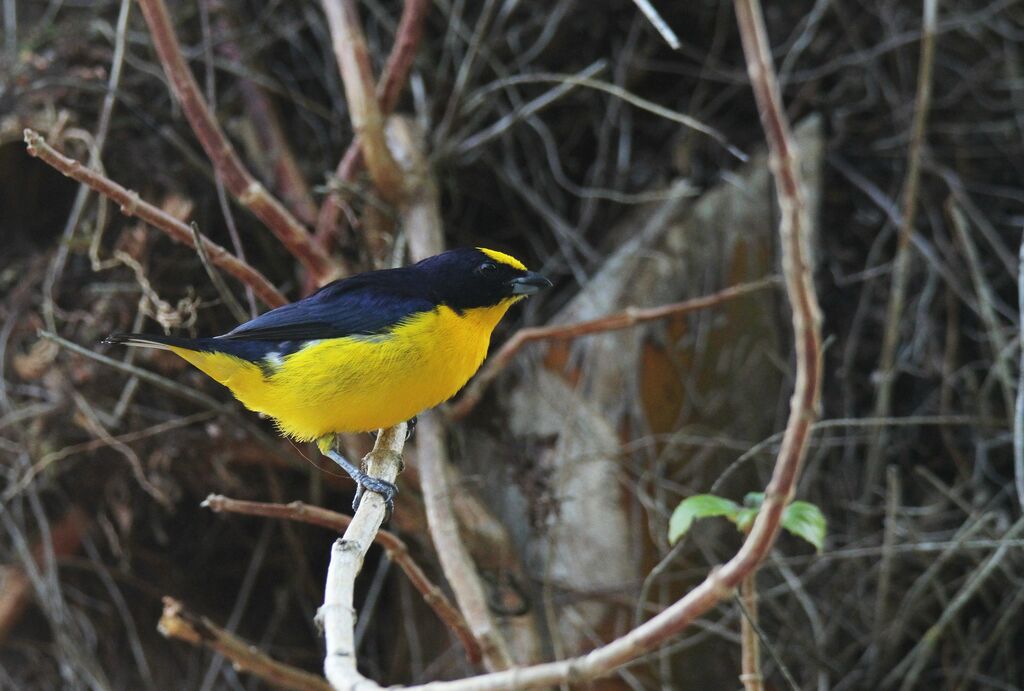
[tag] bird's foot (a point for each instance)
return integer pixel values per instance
(382, 487)
(364, 482)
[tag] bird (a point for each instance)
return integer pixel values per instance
(364, 352)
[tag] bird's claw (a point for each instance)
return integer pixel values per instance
(385, 489)
(366, 482)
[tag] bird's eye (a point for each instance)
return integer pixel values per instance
(487, 269)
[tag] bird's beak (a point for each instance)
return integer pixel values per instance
(529, 284)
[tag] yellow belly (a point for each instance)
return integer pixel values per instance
(363, 383)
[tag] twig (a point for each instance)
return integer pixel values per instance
(395, 547)
(451, 551)
(239, 181)
(337, 615)
(901, 264)
(751, 676)
(178, 622)
(356, 73)
(987, 302)
(625, 319)
(1018, 417)
(658, 23)
(396, 72)
(236, 309)
(132, 205)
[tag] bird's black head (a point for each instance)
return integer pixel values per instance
(477, 277)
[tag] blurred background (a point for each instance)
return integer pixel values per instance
(633, 174)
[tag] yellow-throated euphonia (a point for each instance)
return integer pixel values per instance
(365, 352)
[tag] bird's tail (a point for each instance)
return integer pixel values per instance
(150, 341)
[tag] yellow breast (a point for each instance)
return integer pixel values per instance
(361, 383)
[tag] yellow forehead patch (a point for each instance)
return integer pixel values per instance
(503, 258)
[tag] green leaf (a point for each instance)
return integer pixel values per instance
(698, 506)
(806, 521)
(753, 500)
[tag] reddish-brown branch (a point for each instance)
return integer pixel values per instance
(242, 185)
(132, 205)
(364, 110)
(395, 547)
(625, 319)
(287, 177)
(178, 622)
(396, 72)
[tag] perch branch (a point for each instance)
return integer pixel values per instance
(625, 319)
(132, 205)
(451, 551)
(367, 121)
(396, 549)
(177, 622)
(239, 181)
(337, 615)
(396, 72)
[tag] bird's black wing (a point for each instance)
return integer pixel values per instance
(367, 304)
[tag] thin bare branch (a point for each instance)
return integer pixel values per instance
(625, 319)
(658, 23)
(178, 622)
(395, 547)
(132, 205)
(901, 264)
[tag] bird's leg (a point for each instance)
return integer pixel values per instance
(366, 482)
